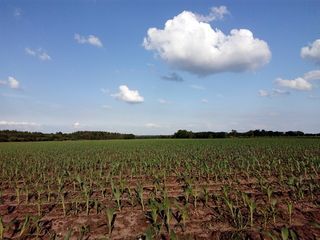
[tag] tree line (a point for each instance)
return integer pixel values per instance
(234, 133)
(23, 136)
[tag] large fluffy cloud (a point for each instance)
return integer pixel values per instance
(127, 95)
(192, 45)
(312, 51)
(90, 39)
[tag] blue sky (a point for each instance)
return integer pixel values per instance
(153, 67)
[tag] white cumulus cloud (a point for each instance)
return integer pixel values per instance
(90, 39)
(298, 83)
(127, 95)
(39, 53)
(312, 51)
(190, 44)
(303, 83)
(11, 83)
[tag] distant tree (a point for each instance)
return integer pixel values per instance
(183, 134)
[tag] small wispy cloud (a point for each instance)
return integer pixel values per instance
(90, 39)
(15, 123)
(39, 53)
(127, 95)
(314, 96)
(312, 75)
(203, 100)
(76, 125)
(106, 107)
(197, 87)
(152, 125)
(163, 101)
(17, 12)
(272, 93)
(175, 77)
(104, 90)
(216, 13)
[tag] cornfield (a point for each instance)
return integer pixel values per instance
(258, 188)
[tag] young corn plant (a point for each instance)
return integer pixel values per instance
(251, 205)
(17, 188)
(187, 193)
(1, 228)
(290, 208)
(153, 215)
(87, 193)
(39, 192)
(269, 193)
(68, 236)
(110, 217)
(62, 195)
(167, 213)
(195, 195)
(25, 226)
(184, 216)
(206, 196)
(131, 196)
(139, 192)
(273, 209)
(117, 195)
(284, 233)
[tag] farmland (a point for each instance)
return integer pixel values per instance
(250, 188)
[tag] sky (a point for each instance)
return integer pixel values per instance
(153, 67)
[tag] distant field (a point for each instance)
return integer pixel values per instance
(258, 188)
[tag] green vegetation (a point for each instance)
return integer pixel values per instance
(18, 136)
(179, 187)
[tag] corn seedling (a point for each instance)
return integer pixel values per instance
(25, 226)
(273, 209)
(290, 206)
(205, 196)
(110, 215)
(285, 233)
(139, 192)
(68, 236)
(62, 195)
(1, 228)
(117, 196)
(251, 205)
